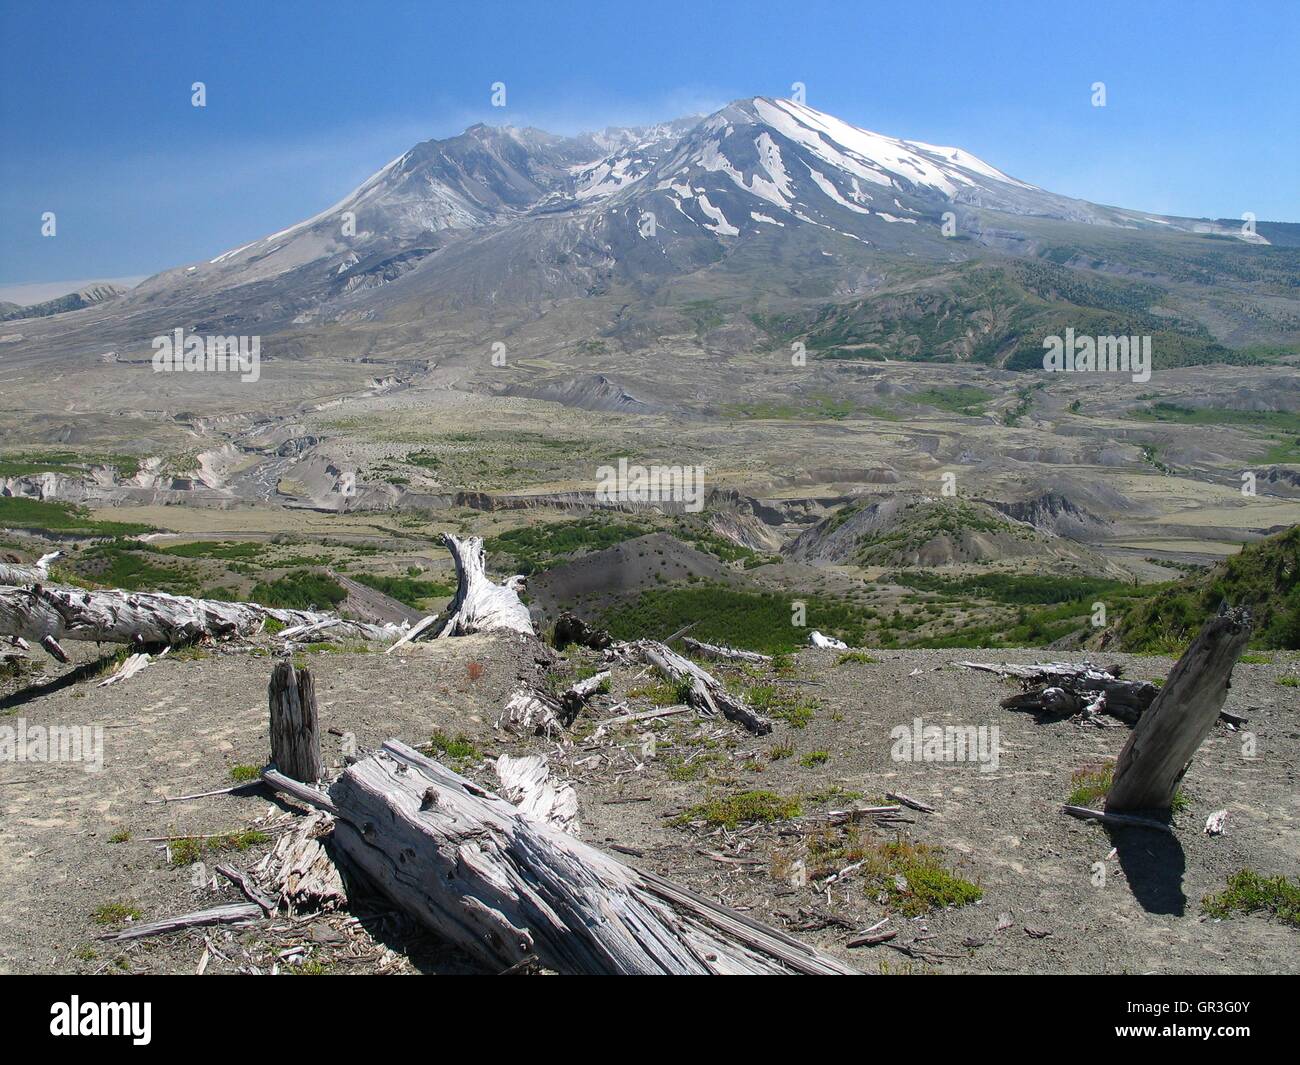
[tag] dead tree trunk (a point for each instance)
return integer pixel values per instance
(480, 605)
(155, 617)
(503, 886)
(700, 688)
(723, 654)
(295, 728)
(1160, 748)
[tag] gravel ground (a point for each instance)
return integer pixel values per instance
(181, 725)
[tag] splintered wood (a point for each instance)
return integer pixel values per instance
(295, 728)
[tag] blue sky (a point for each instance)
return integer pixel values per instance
(307, 99)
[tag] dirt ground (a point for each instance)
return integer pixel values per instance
(182, 724)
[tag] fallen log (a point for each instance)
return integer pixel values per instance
(724, 654)
(700, 688)
(46, 613)
(1160, 749)
(468, 866)
(1064, 689)
(480, 605)
(635, 719)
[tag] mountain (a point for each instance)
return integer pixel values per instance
(766, 223)
(73, 301)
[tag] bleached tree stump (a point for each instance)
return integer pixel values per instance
(1160, 748)
(479, 604)
(295, 727)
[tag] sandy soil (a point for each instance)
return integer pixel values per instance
(181, 725)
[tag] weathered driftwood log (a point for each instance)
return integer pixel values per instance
(153, 617)
(723, 654)
(502, 886)
(700, 689)
(1159, 750)
(480, 605)
(295, 726)
(22, 574)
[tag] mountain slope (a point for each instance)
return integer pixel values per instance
(811, 229)
(1264, 577)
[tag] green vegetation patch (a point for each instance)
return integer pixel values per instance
(300, 590)
(1248, 892)
(1265, 577)
(536, 547)
(20, 512)
(409, 590)
(755, 621)
(740, 808)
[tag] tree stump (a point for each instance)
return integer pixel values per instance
(295, 730)
(1160, 748)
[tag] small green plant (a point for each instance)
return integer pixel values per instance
(743, 807)
(659, 693)
(854, 656)
(190, 849)
(1248, 892)
(120, 836)
(814, 758)
(116, 913)
(311, 967)
(1255, 660)
(1091, 784)
(241, 774)
(459, 747)
(913, 880)
(1289, 682)
(780, 750)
